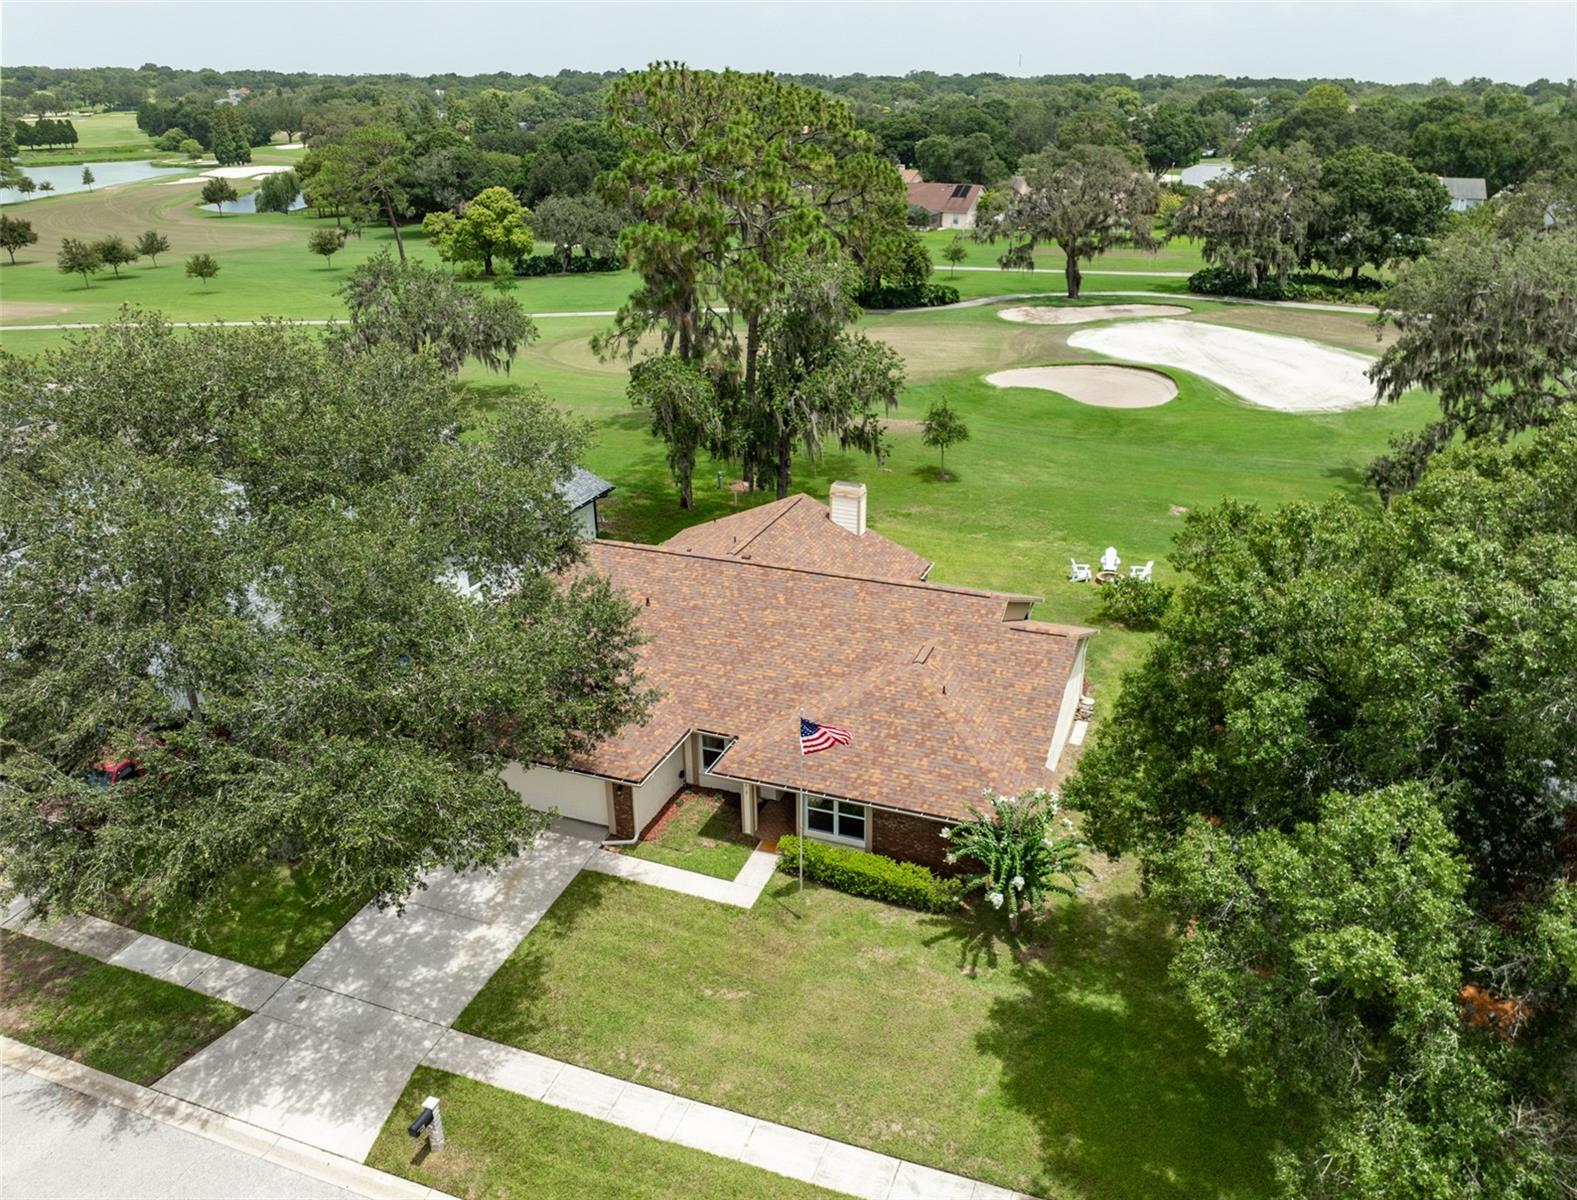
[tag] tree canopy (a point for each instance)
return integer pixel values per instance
(1347, 766)
(230, 556)
(1087, 200)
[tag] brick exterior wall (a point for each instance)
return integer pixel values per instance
(623, 812)
(912, 839)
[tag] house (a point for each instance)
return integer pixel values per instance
(910, 175)
(581, 491)
(798, 607)
(951, 205)
(1465, 193)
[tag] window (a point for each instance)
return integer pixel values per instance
(835, 820)
(712, 747)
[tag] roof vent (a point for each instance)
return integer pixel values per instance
(847, 502)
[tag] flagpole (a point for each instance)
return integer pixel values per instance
(799, 807)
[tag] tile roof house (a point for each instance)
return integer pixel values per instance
(951, 204)
(796, 607)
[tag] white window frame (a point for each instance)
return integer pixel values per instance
(839, 809)
(726, 742)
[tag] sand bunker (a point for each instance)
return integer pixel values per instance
(1104, 387)
(1285, 373)
(250, 171)
(1045, 314)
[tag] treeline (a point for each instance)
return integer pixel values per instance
(960, 128)
(44, 133)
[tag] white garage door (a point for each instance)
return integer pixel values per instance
(577, 796)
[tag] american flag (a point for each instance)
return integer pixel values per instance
(814, 738)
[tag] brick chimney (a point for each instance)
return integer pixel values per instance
(847, 501)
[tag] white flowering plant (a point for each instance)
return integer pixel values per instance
(1024, 857)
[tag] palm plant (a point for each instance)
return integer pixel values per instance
(1023, 859)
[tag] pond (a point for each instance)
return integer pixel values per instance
(248, 204)
(68, 178)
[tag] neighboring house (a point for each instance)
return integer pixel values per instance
(1465, 193)
(910, 175)
(951, 205)
(581, 491)
(1199, 174)
(797, 607)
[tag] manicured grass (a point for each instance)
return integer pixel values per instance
(1184, 254)
(1060, 1063)
(110, 1018)
(101, 137)
(702, 835)
(276, 917)
(498, 1144)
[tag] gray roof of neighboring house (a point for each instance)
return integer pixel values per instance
(1465, 189)
(583, 487)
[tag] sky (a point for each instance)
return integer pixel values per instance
(1387, 41)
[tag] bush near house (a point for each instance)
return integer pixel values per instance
(861, 873)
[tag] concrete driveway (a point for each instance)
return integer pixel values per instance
(327, 1057)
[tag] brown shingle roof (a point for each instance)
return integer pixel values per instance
(943, 696)
(799, 532)
(945, 197)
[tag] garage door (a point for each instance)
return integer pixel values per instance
(577, 796)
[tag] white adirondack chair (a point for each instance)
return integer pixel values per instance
(1142, 572)
(1080, 572)
(1109, 560)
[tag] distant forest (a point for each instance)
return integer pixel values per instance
(973, 128)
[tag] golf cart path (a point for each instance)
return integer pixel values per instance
(974, 302)
(326, 1054)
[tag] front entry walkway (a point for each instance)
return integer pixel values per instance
(327, 1056)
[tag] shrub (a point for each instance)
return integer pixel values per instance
(1134, 603)
(861, 873)
(1023, 860)
(551, 264)
(918, 295)
(1216, 281)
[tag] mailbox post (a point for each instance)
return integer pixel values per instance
(432, 1121)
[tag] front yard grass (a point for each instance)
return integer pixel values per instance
(504, 1145)
(275, 917)
(107, 1017)
(1060, 1063)
(703, 834)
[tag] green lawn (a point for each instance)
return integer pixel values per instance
(1062, 1064)
(277, 917)
(1184, 254)
(498, 1144)
(702, 835)
(101, 137)
(110, 1018)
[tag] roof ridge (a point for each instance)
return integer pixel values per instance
(922, 584)
(776, 517)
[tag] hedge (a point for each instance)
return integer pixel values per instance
(1302, 285)
(861, 873)
(921, 295)
(552, 264)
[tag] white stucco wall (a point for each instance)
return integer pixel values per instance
(659, 786)
(577, 796)
(586, 520)
(1070, 706)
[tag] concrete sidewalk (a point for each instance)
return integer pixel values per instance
(325, 1059)
(741, 891)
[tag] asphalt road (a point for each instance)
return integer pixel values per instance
(57, 1144)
